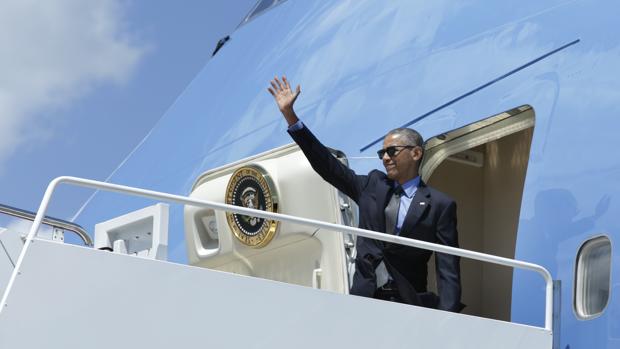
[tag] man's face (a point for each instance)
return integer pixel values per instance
(403, 166)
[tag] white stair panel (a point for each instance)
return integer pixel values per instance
(74, 297)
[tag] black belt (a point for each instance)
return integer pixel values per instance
(388, 292)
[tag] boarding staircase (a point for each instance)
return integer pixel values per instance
(289, 290)
(66, 296)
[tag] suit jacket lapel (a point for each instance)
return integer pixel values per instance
(420, 203)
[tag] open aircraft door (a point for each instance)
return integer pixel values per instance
(282, 181)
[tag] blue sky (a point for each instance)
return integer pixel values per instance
(84, 81)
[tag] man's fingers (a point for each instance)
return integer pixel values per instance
(279, 83)
(282, 88)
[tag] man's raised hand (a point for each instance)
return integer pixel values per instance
(285, 97)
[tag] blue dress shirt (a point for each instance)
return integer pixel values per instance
(409, 189)
(296, 126)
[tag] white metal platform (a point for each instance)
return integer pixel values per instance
(74, 297)
(65, 296)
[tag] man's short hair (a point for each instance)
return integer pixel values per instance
(410, 135)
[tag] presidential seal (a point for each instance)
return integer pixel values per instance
(251, 187)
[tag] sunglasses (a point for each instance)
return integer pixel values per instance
(392, 151)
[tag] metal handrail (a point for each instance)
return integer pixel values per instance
(281, 217)
(54, 222)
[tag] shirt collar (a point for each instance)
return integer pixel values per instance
(410, 186)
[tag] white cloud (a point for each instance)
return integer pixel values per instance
(52, 52)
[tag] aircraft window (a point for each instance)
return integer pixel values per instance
(260, 7)
(592, 282)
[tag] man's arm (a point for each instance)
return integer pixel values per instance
(448, 266)
(320, 158)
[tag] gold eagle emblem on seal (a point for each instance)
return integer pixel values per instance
(251, 186)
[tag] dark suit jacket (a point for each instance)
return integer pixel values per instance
(431, 217)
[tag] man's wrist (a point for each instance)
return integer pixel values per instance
(290, 116)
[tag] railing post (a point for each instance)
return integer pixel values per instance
(557, 312)
(34, 229)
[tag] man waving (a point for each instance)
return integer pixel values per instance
(393, 202)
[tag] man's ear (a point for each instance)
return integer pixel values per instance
(417, 153)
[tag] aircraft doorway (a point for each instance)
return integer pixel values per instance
(483, 166)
